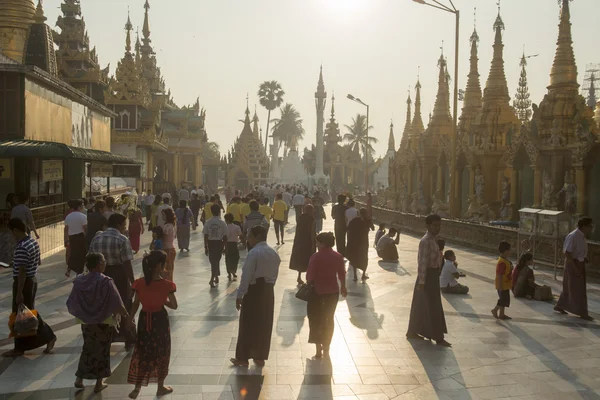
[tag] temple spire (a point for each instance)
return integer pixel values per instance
(321, 84)
(146, 28)
(473, 90)
(441, 112)
(496, 88)
(407, 125)
(128, 28)
(417, 127)
(391, 140)
(39, 17)
(522, 104)
(333, 106)
(564, 69)
(255, 129)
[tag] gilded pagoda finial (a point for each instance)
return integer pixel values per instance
(441, 120)
(496, 89)
(128, 28)
(417, 127)
(474, 36)
(407, 125)
(146, 28)
(333, 105)
(564, 68)
(39, 17)
(522, 104)
(391, 140)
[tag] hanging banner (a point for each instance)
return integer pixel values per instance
(52, 170)
(101, 170)
(5, 168)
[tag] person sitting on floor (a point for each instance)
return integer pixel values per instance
(449, 275)
(386, 246)
(379, 234)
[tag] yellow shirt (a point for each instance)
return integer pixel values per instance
(266, 211)
(207, 211)
(234, 209)
(244, 209)
(504, 270)
(279, 208)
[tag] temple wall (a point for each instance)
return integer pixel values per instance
(475, 236)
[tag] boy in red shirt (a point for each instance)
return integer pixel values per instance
(503, 281)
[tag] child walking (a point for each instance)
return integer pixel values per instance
(232, 252)
(150, 360)
(503, 281)
(157, 239)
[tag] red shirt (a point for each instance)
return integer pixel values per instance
(153, 296)
(324, 269)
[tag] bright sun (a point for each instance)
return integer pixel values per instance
(345, 6)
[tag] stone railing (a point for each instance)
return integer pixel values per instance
(481, 237)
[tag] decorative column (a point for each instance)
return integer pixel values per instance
(581, 189)
(198, 170)
(537, 186)
(149, 170)
(471, 181)
(176, 169)
(439, 183)
(514, 191)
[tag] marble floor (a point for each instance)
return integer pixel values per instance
(536, 355)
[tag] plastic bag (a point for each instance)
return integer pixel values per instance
(26, 322)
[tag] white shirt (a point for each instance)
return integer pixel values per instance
(184, 195)
(159, 217)
(298, 200)
(215, 228)
(167, 195)
(75, 222)
(351, 213)
(287, 197)
(200, 193)
(385, 241)
(576, 244)
(261, 262)
(447, 276)
(233, 233)
(193, 192)
(149, 200)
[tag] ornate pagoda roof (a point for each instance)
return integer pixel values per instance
(39, 48)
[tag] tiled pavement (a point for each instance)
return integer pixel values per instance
(536, 355)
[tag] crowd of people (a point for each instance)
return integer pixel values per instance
(102, 237)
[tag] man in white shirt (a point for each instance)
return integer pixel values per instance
(573, 298)
(193, 191)
(148, 201)
(200, 192)
(298, 203)
(215, 241)
(449, 276)
(255, 298)
(351, 211)
(184, 194)
(159, 211)
(75, 231)
(386, 246)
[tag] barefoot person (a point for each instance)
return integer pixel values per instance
(426, 313)
(26, 261)
(256, 300)
(573, 299)
(152, 353)
(94, 300)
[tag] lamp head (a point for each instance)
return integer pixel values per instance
(351, 97)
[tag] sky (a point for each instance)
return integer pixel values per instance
(221, 50)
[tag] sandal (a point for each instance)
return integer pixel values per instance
(164, 391)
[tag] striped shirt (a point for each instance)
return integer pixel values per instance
(27, 254)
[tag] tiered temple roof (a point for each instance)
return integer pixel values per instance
(472, 100)
(77, 64)
(417, 127)
(441, 121)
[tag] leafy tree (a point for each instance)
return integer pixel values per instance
(356, 136)
(270, 95)
(287, 129)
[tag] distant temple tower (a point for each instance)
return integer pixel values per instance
(320, 102)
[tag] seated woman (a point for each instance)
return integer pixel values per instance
(523, 280)
(386, 246)
(449, 275)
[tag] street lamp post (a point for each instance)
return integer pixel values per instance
(453, 173)
(359, 101)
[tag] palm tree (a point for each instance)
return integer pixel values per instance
(270, 95)
(356, 136)
(210, 150)
(288, 129)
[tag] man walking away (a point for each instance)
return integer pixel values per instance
(255, 218)
(23, 212)
(573, 299)
(298, 203)
(117, 251)
(338, 213)
(148, 201)
(256, 299)
(215, 241)
(426, 313)
(25, 265)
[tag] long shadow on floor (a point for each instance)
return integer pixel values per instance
(457, 301)
(317, 380)
(288, 324)
(359, 313)
(395, 267)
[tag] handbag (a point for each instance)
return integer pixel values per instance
(543, 293)
(305, 292)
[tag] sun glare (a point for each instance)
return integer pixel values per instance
(345, 7)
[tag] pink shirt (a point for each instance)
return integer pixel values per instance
(324, 269)
(168, 236)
